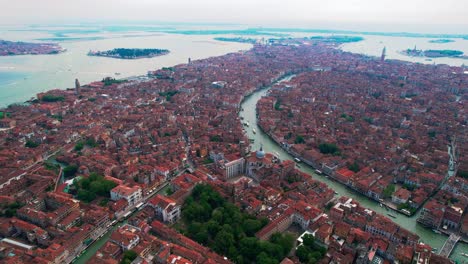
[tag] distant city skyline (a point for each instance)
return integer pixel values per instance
(448, 16)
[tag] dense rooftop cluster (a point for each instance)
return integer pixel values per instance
(8, 48)
(371, 124)
(125, 141)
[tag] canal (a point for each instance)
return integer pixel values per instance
(96, 245)
(426, 235)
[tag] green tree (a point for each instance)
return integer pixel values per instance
(308, 240)
(273, 250)
(86, 196)
(52, 98)
(278, 105)
(389, 190)
(463, 174)
(216, 138)
(212, 227)
(221, 226)
(70, 170)
(251, 226)
(128, 257)
(302, 253)
(299, 140)
(223, 241)
(285, 241)
(263, 258)
(79, 146)
(249, 247)
(31, 144)
(354, 167)
(91, 187)
(328, 148)
(91, 142)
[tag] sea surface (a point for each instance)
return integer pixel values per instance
(22, 77)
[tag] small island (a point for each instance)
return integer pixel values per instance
(441, 41)
(337, 39)
(11, 48)
(238, 39)
(122, 53)
(434, 53)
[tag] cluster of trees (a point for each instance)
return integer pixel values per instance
(31, 144)
(58, 117)
(90, 142)
(52, 166)
(463, 174)
(70, 170)
(354, 167)
(4, 114)
(369, 120)
(348, 117)
(168, 94)
(278, 105)
(212, 221)
(299, 140)
(389, 190)
(128, 257)
(309, 251)
(329, 148)
(130, 53)
(442, 53)
(87, 189)
(407, 206)
(216, 138)
(9, 210)
(109, 81)
(52, 98)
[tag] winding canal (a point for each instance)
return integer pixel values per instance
(426, 235)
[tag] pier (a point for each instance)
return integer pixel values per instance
(449, 245)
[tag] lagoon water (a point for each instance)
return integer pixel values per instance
(22, 77)
(373, 45)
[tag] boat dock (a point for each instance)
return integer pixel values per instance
(449, 245)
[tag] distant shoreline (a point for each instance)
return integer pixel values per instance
(11, 48)
(441, 41)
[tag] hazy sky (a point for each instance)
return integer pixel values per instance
(434, 14)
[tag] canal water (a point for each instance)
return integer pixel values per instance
(426, 235)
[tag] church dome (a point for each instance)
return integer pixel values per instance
(260, 153)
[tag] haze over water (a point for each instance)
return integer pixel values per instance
(22, 77)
